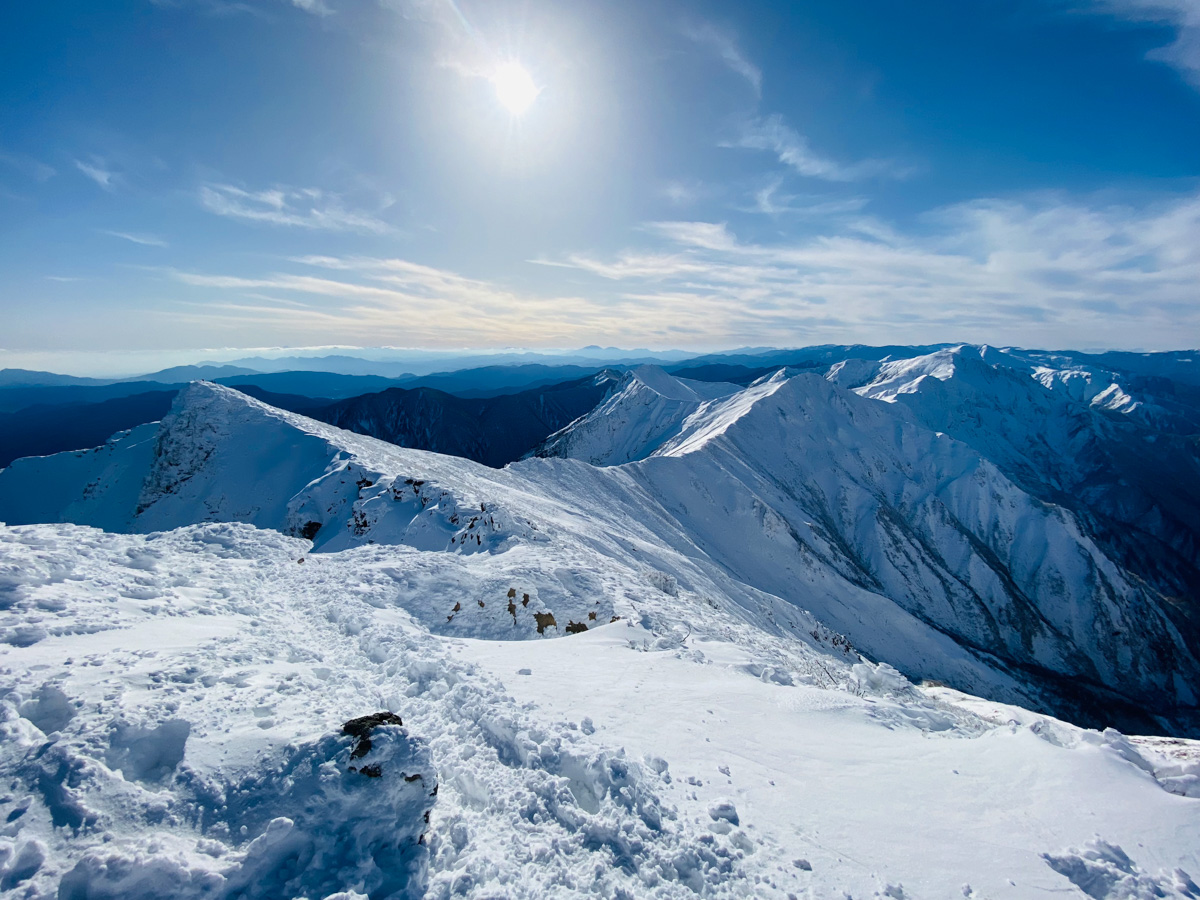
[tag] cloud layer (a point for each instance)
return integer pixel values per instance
(1183, 15)
(293, 207)
(1041, 271)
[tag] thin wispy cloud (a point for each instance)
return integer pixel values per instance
(1044, 268)
(792, 149)
(770, 200)
(725, 46)
(1040, 270)
(401, 303)
(316, 7)
(308, 208)
(1183, 15)
(145, 240)
(98, 172)
(239, 7)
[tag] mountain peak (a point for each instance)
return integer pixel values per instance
(648, 409)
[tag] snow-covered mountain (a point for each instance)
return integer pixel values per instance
(738, 581)
(648, 407)
(917, 548)
(1123, 458)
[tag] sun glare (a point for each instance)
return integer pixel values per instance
(514, 87)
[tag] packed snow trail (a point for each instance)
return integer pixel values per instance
(279, 654)
(161, 693)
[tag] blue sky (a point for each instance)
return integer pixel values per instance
(181, 176)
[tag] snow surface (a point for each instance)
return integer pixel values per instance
(173, 731)
(668, 678)
(647, 409)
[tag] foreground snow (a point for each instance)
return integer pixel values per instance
(172, 728)
(302, 663)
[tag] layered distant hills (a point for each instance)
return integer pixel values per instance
(1022, 525)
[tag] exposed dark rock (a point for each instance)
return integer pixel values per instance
(361, 729)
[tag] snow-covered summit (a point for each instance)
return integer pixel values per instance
(1127, 466)
(671, 677)
(648, 408)
(221, 456)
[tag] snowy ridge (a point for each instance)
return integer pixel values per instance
(648, 409)
(1135, 488)
(832, 502)
(671, 678)
(220, 456)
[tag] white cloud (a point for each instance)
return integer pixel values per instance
(793, 150)
(97, 172)
(398, 302)
(146, 240)
(1182, 15)
(235, 7)
(725, 46)
(294, 207)
(316, 7)
(1039, 271)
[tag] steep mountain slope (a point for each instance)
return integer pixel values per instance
(1077, 438)
(493, 431)
(40, 430)
(790, 496)
(909, 542)
(647, 408)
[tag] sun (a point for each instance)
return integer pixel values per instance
(515, 88)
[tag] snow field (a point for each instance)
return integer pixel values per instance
(193, 683)
(610, 680)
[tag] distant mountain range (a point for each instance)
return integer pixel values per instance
(493, 430)
(1014, 524)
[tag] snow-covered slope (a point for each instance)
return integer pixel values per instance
(792, 501)
(648, 408)
(915, 547)
(174, 716)
(182, 705)
(1069, 438)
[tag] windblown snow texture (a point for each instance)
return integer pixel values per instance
(674, 657)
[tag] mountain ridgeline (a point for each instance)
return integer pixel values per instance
(1019, 525)
(493, 430)
(490, 430)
